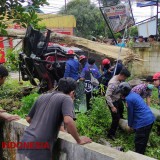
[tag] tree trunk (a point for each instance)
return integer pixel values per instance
(124, 123)
(100, 48)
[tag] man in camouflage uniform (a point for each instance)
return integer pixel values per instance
(114, 101)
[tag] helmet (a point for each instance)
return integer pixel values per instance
(156, 76)
(124, 88)
(105, 61)
(82, 57)
(70, 52)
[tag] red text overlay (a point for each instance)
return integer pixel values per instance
(26, 145)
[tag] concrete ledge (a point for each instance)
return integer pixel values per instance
(66, 147)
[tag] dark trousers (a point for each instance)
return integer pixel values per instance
(88, 98)
(116, 116)
(141, 138)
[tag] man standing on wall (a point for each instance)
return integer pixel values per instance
(46, 117)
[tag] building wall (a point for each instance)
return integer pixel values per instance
(67, 31)
(59, 23)
(150, 60)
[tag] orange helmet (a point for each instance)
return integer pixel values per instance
(156, 76)
(70, 52)
(82, 57)
(105, 61)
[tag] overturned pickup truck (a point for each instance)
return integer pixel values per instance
(43, 60)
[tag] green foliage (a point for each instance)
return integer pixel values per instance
(12, 60)
(27, 103)
(155, 99)
(28, 18)
(13, 99)
(154, 141)
(10, 94)
(12, 88)
(10, 104)
(118, 35)
(95, 122)
(14, 11)
(133, 31)
(125, 140)
(88, 18)
(3, 27)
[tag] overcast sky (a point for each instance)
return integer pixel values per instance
(139, 13)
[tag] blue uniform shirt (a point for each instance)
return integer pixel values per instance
(93, 69)
(72, 69)
(139, 114)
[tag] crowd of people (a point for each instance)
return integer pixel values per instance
(55, 111)
(118, 93)
(128, 42)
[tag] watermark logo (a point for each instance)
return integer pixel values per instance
(25, 145)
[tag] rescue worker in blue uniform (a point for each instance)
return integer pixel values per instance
(108, 70)
(140, 116)
(89, 69)
(82, 61)
(72, 66)
(107, 73)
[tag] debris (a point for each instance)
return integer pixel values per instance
(135, 82)
(104, 142)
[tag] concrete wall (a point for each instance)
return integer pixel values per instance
(150, 55)
(66, 148)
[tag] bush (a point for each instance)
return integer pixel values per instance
(27, 103)
(94, 122)
(11, 93)
(12, 61)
